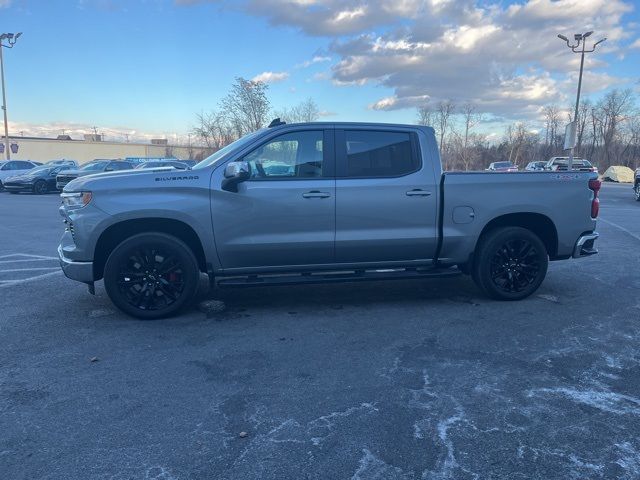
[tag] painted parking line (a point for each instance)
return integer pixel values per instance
(28, 256)
(620, 227)
(12, 264)
(11, 283)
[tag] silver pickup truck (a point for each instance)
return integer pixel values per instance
(320, 202)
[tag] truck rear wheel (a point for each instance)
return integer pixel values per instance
(151, 275)
(510, 263)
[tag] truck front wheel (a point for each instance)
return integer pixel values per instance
(510, 263)
(151, 275)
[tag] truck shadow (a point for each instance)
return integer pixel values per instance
(354, 294)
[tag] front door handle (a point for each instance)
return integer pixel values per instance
(316, 194)
(416, 192)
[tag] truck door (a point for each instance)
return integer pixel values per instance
(386, 205)
(284, 215)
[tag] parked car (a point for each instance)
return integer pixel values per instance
(38, 180)
(97, 166)
(158, 164)
(561, 164)
(63, 161)
(535, 166)
(360, 202)
(10, 168)
(502, 167)
(636, 184)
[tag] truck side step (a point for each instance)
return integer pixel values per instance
(336, 277)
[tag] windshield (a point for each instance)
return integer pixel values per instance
(94, 166)
(503, 164)
(213, 159)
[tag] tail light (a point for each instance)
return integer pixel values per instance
(595, 184)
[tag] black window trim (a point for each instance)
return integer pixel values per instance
(328, 155)
(341, 152)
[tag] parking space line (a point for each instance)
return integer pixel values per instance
(11, 270)
(28, 255)
(11, 283)
(28, 260)
(620, 227)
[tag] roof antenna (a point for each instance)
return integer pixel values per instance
(276, 123)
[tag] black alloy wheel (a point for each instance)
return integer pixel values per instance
(151, 275)
(515, 266)
(510, 263)
(40, 187)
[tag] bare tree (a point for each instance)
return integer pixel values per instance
(470, 118)
(551, 125)
(304, 112)
(214, 129)
(444, 110)
(247, 105)
(614, 108)
(425, 115)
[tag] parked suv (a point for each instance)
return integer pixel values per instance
(97, 166)
(561, 164)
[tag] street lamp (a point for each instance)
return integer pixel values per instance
(580, 39)
(7, 40)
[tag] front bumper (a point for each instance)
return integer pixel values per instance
(18, 187)
(585, 246)
(80, 271)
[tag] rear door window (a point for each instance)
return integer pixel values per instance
(374, 154)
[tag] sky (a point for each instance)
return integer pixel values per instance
(145, 68)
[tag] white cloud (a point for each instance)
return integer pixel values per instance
(77, 131)
(5, 3)
(271, 77)
(507, 59)
(315, 60)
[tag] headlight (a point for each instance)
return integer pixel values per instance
(76, 199)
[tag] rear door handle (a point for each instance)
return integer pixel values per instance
(416, 192)
(316, 194)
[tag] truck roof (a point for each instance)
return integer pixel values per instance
(351, 124)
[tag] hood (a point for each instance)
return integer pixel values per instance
(141, 178)
(74, 172)
(20, 178)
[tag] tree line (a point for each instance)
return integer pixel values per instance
(608, 130)
(608, 133)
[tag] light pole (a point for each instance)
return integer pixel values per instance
(581, 40)
(10, 39)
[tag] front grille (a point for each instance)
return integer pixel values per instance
(64, 180)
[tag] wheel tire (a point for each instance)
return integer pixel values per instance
(636, 191)
(1, 187)
(165, 289)
(40, 187)
(510, 263)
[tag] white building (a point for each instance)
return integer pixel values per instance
(92, 147)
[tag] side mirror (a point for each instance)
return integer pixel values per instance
(235, 173)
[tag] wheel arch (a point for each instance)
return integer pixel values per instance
(118, 232)
(539, 224)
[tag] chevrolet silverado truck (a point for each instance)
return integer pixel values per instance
(320, 202)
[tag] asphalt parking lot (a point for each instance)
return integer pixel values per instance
(416, 379)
